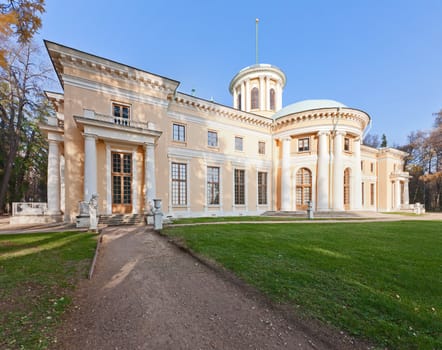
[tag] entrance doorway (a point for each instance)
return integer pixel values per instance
(121, 183)
(303, 188)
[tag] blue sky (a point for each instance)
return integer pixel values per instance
(383, 57)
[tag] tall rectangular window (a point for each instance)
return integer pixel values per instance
(372, 167)
(347, 144)
(212, 138)
(371, 194)
(261, 147)
(179, 184)
(179, 132)
(121, 114)
(239, 143)
(212, 185)
(240, 187)
(262, 187)
(362, 194)
(304, 144)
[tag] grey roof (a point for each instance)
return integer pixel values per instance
(307, 105)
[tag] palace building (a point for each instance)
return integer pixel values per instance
(130, 136)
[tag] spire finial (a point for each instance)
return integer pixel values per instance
(256, 39)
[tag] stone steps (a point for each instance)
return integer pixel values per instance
(121, 219)
(317, 214)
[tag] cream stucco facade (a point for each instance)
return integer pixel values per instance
(130, 136)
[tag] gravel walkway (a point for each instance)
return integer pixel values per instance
(148, 294)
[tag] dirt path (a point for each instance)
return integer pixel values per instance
(148, 294)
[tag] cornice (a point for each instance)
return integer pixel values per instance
(63, 56)
(194, 103)
(323, 114)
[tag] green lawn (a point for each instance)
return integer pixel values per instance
(379, 281)
(38, 273)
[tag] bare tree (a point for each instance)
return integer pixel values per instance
(371, 140)
(20, 101)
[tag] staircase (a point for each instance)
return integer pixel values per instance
(121, 219)
(317, 214)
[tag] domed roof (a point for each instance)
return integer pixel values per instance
(307, 105)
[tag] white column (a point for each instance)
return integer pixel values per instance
(53, 178)
(248, 96)
(62, 186)
(243, 96)
(267, 91)
(397, 194)
(356, 195)
(278, 97)
(149, 171)
(262, 95)
(235, 99)
(90, 166)
(406, 194)
(323, 179)
(338, 173)
(285, 175)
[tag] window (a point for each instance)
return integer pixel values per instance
(261, 147)
(304, 144)
(372, 167)
(272, 99)
(238, 143)
(347, 144)
(179, 132)
(362, 194)
(212, 138)
(239, 101)
(371, 194)
(255, 98)
(121, 182)
(303, 188)
(212, 185)
(240, 187)
(262, 187)
(121, 114)
(179, 184)
(362, 165)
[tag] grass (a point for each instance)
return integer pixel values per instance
(38, 273)
(378, 281)
(234, 218)
(209, 219)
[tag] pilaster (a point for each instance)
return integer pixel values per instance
(323, 172)
(149, 171)
(285, 175)
(356, 198)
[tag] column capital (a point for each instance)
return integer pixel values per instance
(148, 145)
(322, 133)
(90, 136)
(340, 133)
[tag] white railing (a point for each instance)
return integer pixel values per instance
(31, 208)
(117, 120)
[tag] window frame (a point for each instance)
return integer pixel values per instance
(180, 127)
(347, 144)
(272, 99)
(301, 144)
(254, 98)
(242, 143)
(213, 132)
(213, 186)
(261, 150)
(177, 198)
(262, 188)
(239, 187)
(121, 119)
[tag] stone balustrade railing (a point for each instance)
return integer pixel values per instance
(26, 209)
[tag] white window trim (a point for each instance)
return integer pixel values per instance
(267, 190)
(234, 143)
(240, 206)
(182, 161)
(217, 139)
(185, 132)
(206, 199)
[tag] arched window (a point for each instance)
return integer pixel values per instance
(347, 189)
(238, 101)
(303, 188)
(255, 98)
(272, 99)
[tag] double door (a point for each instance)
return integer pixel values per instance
(121, 183)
